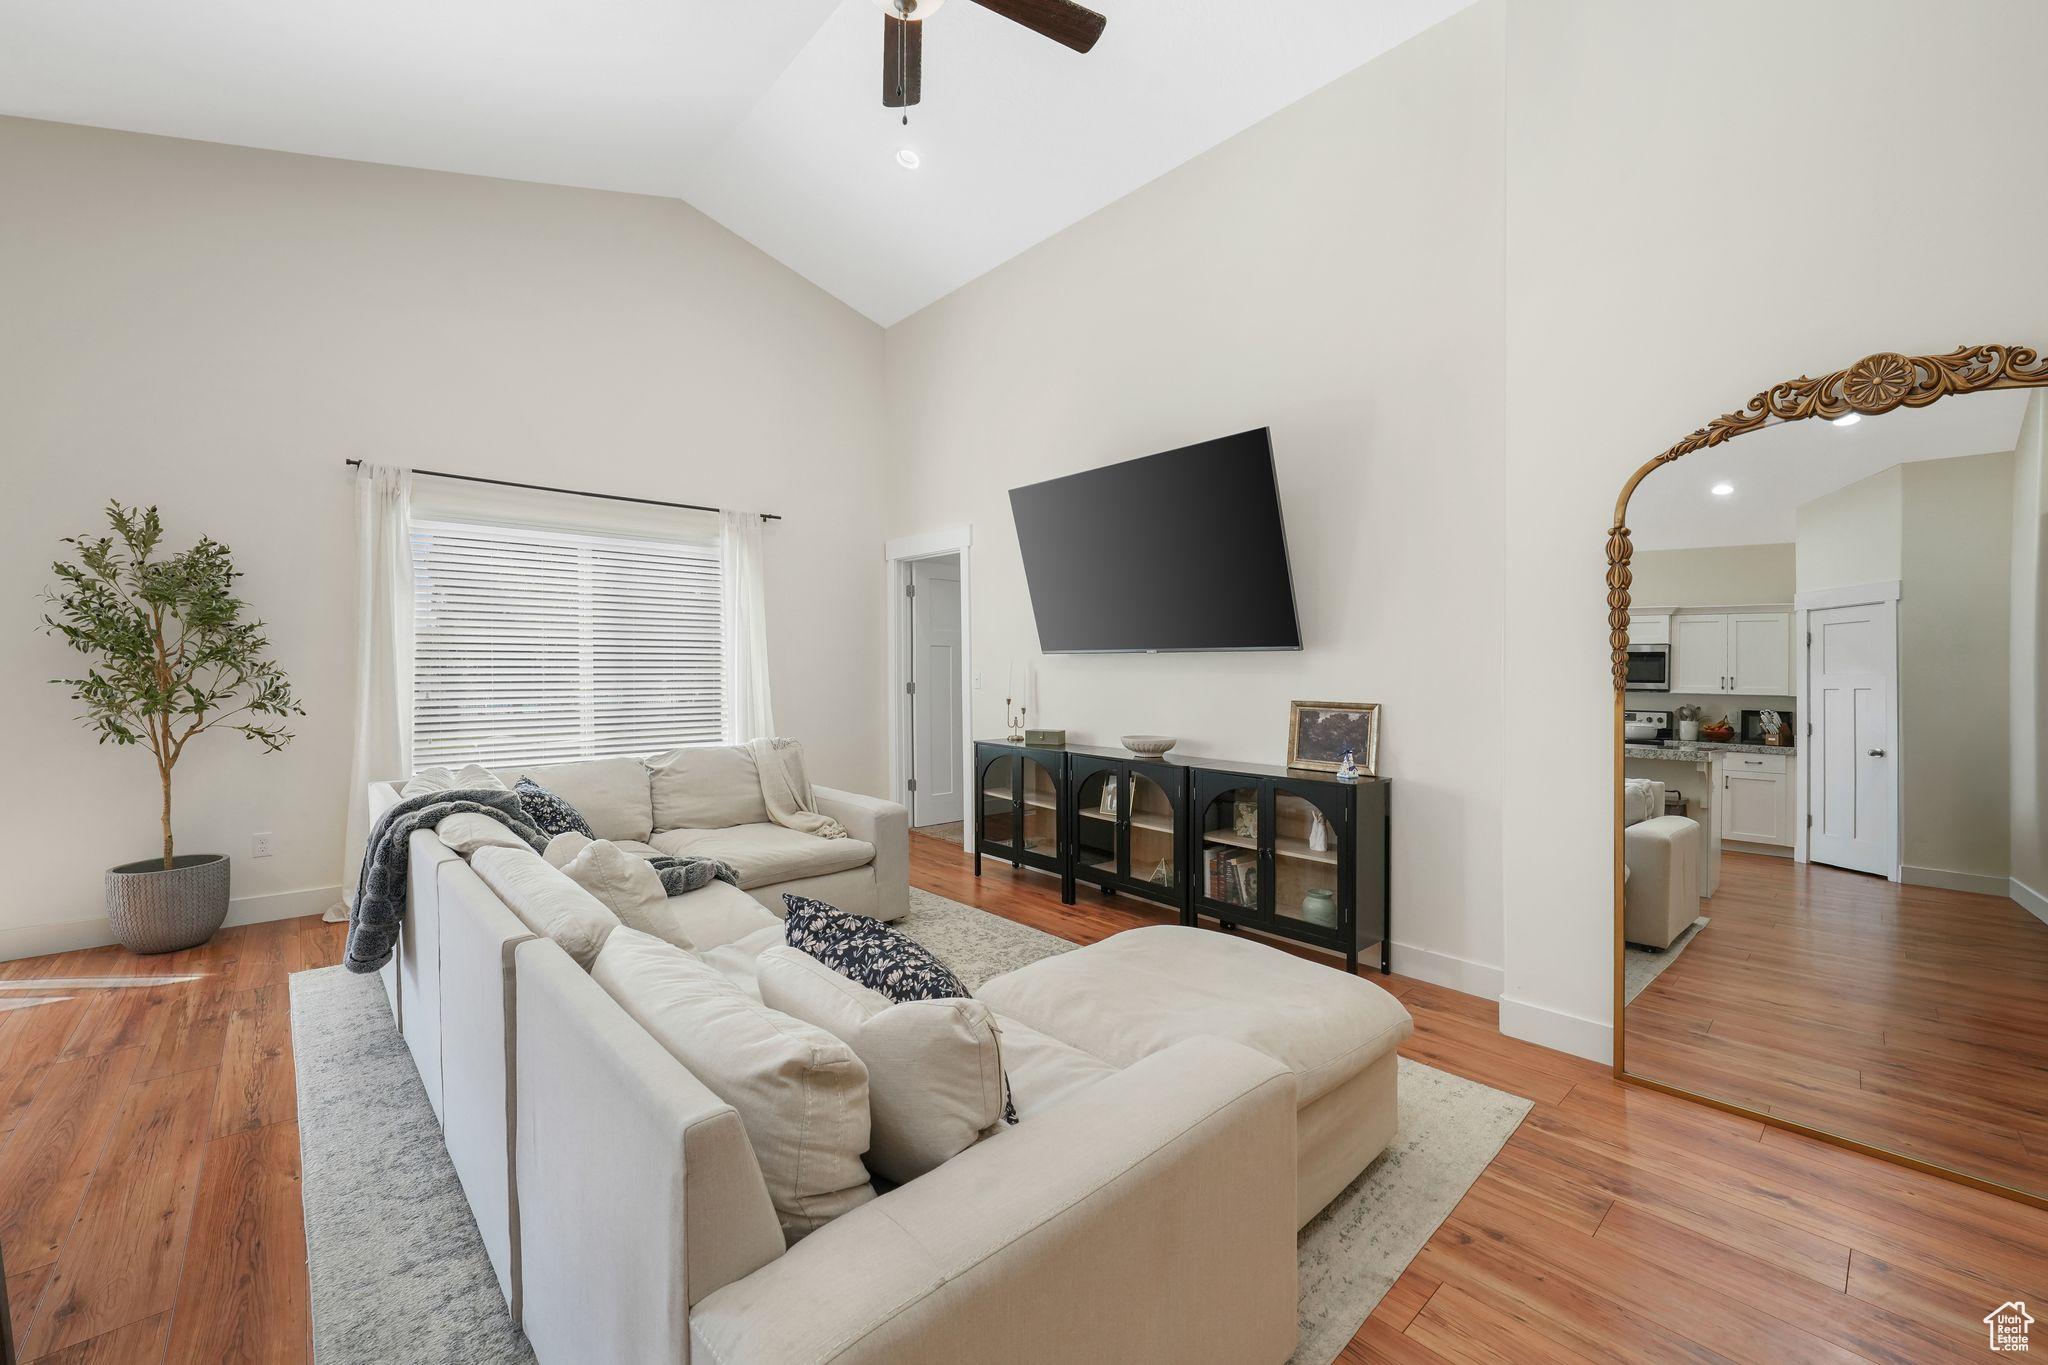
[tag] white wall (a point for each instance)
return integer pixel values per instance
(1333, 273)
(1855, 535)
(1955, 665)
(1715, 576)
(1697, 208)
(2028, 697)
(214, 330)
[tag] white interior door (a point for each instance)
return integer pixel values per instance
(1852, 771)
(936, 757)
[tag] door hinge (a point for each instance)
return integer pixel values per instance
(1809, 822)
(1809, 729)
(910, 689)
(910, 589)
(913, 784)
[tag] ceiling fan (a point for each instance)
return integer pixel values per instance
(1063, 21)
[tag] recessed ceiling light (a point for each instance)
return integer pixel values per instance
(1722, 490)
(908, 159)
(1848, 419)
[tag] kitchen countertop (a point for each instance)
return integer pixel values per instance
(1700, 752)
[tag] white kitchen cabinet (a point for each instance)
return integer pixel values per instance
(1760, 653)
(1757, 798)
(1649, 627)
(1699, 653)
(1746, 653)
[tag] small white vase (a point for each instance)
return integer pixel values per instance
(1688, 730)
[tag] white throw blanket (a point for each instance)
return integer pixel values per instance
(787, 792)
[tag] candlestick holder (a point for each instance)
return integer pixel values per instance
(1014, 718)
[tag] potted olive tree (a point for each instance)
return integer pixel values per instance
(169, 658)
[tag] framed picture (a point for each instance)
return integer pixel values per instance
(1318, 733)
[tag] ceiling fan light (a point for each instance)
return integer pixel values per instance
(909, 9)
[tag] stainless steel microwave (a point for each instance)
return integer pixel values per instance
(1649, 668)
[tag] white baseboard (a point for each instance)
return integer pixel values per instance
(2031, 901)
(1760, 850)
(1555, 1028)
(1443, 969)
(36, 940)
(1945, 880)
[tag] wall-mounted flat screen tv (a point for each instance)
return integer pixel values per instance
(1178, 551)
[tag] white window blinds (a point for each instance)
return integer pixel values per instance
(540, 646)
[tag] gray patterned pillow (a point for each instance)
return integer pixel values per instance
(549, 813)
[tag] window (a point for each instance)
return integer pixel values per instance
(542, 646)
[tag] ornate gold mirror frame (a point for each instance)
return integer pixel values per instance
(1874, 385)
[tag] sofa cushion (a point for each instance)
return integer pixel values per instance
(708, 917)
(706, 787)
(610, 793)
(739, 960)
(466, 831)
(1141, 991)
(546, 901)
(762, 855)
(628, 885)
(1042, 1070)
(474, 777)
(935, 1067)
(548, 812)
(801, 1093)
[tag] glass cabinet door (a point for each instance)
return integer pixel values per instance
(1038, 809)
(1098, 832)
(1152, 821)
(998, 798)
(1227, 863)
(1304, 862)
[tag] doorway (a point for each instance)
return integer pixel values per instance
(1851, 757)
(931, 677)
(936, 758)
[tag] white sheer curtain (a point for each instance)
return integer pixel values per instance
(384, 649)
(748, 711)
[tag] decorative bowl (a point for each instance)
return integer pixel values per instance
(1149, 746)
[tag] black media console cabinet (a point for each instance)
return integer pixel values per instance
(1285, 851)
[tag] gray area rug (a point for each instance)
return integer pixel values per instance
(386, 1223)
(1641, 966)
(398, 1270)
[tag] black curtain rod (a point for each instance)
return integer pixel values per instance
(571, 492)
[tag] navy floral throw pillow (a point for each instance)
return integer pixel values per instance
(549, 813)
(885, 960)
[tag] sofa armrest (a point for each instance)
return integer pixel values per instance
(886, 825)
(1149, 1217)
(638, 1192)
(1662, 895)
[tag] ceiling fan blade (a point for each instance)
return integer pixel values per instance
(1063, 21)
(902, 61)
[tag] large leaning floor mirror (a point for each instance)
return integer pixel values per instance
(1830, 643)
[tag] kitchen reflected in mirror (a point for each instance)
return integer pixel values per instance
(1831, 640)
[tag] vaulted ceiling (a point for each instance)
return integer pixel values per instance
(766, 116)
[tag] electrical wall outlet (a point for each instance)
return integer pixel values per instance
(259, 845)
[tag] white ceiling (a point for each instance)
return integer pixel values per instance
(767, 116)
(1777, 469)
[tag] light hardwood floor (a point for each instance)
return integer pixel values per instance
(149, 1178)
(1908, 1017)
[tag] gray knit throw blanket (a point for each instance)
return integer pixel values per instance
(380, 892)
(680, 875)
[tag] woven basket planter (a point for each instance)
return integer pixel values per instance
(154, 910)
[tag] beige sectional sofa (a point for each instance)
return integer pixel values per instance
(1142, 1209)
